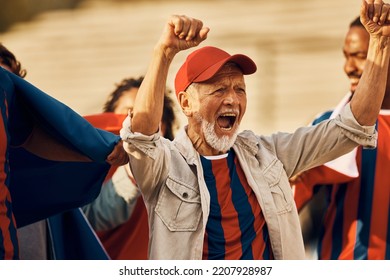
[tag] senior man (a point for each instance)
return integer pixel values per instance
(215, 193)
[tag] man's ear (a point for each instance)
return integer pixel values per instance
(184, 99)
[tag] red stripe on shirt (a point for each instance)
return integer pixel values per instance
(258, 245)
(5, 220)
(230, 223)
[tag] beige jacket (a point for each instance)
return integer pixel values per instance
(170, 176)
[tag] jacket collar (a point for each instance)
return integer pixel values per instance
(185, 147)
(245, 140)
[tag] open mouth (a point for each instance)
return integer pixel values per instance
(226, 121)
(354, 79)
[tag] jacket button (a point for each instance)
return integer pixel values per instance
(185, 195)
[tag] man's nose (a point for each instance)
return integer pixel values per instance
(231, 97)
(350, 65)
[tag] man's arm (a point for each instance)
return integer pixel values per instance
(180, 33)
(367, 100)
(44, 145)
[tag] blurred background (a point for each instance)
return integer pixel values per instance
(77, 50)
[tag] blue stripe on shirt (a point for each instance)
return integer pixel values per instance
(213, 225)
(242, 207)
(337, 233)
(387, 257)
(365, 203)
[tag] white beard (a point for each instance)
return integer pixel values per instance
(221, 144)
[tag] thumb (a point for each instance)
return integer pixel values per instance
(203, 33)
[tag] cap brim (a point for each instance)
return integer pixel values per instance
(244, 62)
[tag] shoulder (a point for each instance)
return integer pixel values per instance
(249, 140)
(248, 137)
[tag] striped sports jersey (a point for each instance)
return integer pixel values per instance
(41, 188)
(236, 227)
(356, 222)
(130, 240)
(8, 238)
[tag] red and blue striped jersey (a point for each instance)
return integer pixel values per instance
(356, 222)
(41, 188)
(236, 227)
(8, 238)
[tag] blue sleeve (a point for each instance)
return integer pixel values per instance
(41, 188)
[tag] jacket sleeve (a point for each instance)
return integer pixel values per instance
(149, 159)
(312, 146)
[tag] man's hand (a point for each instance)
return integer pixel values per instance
(118, 155)
(181, 33)
(375, 16)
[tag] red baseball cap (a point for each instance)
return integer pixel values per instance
(205, 62)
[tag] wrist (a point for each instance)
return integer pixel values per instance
(164, 52)
(379, 42)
